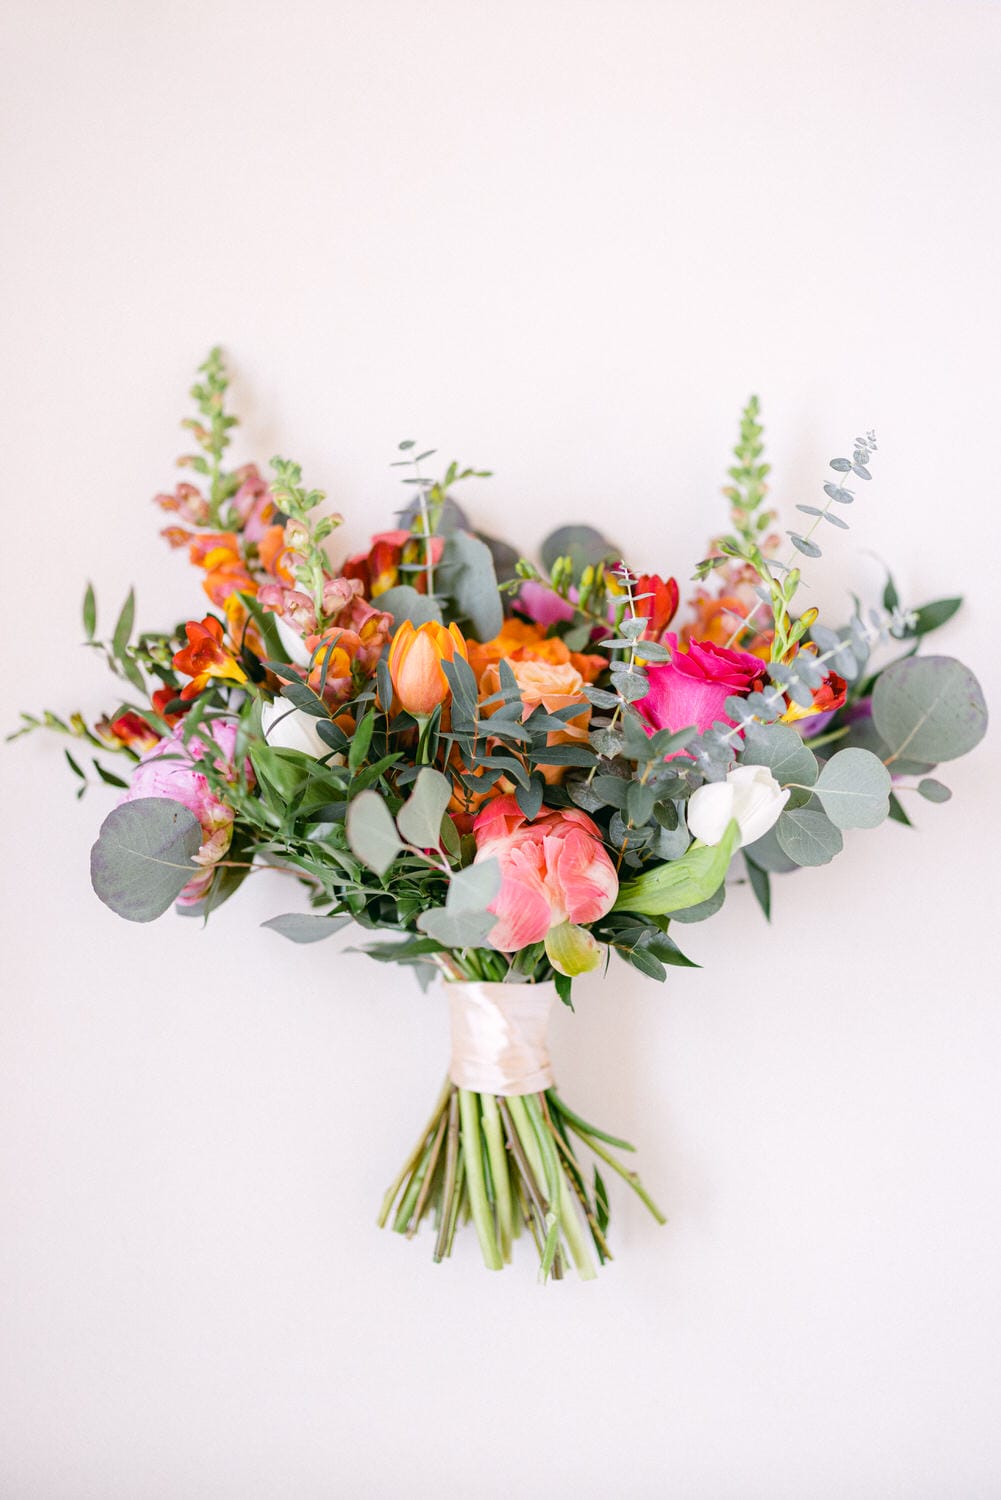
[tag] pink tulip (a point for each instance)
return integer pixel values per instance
(553, 870)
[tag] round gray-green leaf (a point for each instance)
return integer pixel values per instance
(419, 819)
(854, 788)
(781, 749)
(372, 834)
(929, 708)
(143, 857)
(933, 791)
(808, 836)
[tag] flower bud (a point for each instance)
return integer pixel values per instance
(415, 658)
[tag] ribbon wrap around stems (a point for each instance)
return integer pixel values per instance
(499, 1036)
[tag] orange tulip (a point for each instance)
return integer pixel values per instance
(415, 658)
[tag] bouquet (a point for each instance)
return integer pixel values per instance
(501, 772)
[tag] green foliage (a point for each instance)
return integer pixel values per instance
(143, 857)
(931, 707)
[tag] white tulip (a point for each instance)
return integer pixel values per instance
(750, 794)
(288, 728)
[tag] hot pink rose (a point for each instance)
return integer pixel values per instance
(692, 687)
(553, 870)
(170, 769)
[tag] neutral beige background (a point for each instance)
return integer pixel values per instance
(564, 241)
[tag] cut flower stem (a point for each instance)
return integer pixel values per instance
(499, 1160)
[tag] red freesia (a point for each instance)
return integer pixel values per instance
(693, 686)
(205, 656)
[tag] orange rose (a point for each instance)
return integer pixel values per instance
(551, 686)
(521, 641)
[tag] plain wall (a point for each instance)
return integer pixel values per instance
(563, 241)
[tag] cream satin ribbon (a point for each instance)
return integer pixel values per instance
(499, 1036)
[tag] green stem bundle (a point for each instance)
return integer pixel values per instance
(501, 1161)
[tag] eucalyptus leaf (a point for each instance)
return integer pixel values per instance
(854, 788)
(933, 791)
(306, 927)
(768, 855)
(930, 707)
(584, 546)
(808, 836)
(466, 574)
(371, 832)
(143, 857)
(405, 603)
(419, 819)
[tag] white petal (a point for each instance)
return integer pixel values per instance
(710, 808)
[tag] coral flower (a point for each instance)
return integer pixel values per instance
(205, 657)
(415, 659)
(554, 873)
(521, 640)
(545, 684)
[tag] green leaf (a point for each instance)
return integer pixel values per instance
(372, 834)
(464, 922)
(930, 707)
(808, 836)
(108, 777)
(405, 603)
(782, 751)
(74, 767)
(854, 788)
(143, 857)
(466, 575)
(361, 740)
(89, 612)
(931, 616)
(584, 546)
(684, 882)
(306, 927)
(897, 813)
(933, 791)
(419, 819)
(761, 886)
(600, 1201)
(123, 627)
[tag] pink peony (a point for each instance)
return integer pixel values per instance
(692, 687)
(170, 769)
(554, 870)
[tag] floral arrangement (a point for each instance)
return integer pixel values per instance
(507, 772)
